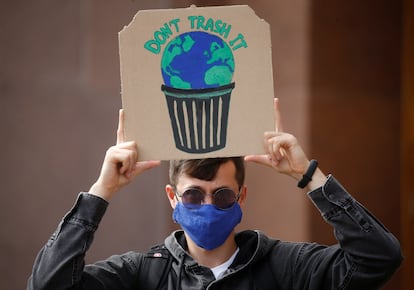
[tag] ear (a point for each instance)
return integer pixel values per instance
(169, 190)
(243, 195)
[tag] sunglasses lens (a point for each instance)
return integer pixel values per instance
(224, 198)
(192, 198)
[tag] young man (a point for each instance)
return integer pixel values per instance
(207, 197)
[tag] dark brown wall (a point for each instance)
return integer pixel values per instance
(59, 98)
(336, 73)
(355, 87)
(407, 145)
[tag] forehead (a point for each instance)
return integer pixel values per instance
(225, 177)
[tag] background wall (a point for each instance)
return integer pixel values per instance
(407, 144)
(355, 104)
(336, 70)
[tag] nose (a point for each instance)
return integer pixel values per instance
(208, 198)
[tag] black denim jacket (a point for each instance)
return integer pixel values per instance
(366, 255)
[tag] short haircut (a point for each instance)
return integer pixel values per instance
(205, 169)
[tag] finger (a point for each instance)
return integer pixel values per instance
(260, 159)
(278, 119)
(277, 152)
(137, 167)
(130, 151)
(131, 145)
(126, 161)
(123, 158)
(275, 143)
(120, 133)
(270, 134)
(131, 160)
(274, 150)
(269, 139)
(144, 165)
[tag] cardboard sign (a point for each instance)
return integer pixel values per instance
(197, 82)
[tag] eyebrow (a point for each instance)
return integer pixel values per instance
(202, 189)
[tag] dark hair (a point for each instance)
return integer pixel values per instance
(204, 169)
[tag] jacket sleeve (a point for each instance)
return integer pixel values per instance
(367, 254)
(60, 263)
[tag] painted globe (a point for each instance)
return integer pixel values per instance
(197, 60)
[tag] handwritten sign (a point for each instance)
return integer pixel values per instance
(197, 82)
(219, 27)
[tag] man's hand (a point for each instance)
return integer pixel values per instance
(284, 153)
(120, 165)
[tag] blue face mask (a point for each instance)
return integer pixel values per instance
(208, 226)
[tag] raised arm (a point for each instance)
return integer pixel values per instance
(120, 165)
(285, 155)
(60, 263)
(367, 255)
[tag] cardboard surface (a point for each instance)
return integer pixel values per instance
(197, 82)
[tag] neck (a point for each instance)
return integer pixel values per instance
(215, 257)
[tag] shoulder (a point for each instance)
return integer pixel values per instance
(139, 261)
(155, 266)
(157, 252)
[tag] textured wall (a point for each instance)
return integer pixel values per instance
(59, 87)
(355, 107)
(59, 98)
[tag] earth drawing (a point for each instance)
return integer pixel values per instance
(197, 60)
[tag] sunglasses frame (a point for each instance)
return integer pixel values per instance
(196, 206)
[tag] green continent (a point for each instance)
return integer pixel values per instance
(218, 74)
(222, 54)
(176, 48)
(177, 82)
(188, 43)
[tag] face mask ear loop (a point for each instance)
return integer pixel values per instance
(176, 197)
(239, 193)
(175, 193)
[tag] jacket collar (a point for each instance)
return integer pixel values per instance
(253, 246)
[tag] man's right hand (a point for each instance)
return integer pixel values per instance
(120, 165)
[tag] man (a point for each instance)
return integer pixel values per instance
(207, 197)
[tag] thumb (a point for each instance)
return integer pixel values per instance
(144, 166)
(260, 159)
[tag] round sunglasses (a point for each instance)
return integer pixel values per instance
(223, 198)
